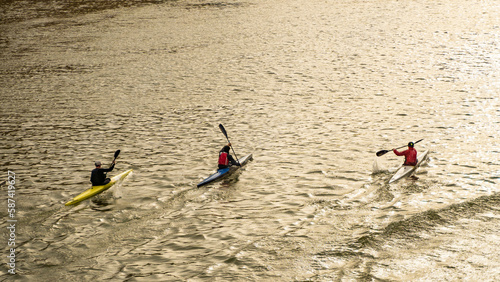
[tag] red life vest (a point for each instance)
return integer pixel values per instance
(223, 160)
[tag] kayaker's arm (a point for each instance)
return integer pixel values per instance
(232, 161)
(398, 153)
(110, 168)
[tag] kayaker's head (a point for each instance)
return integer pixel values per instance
(225, 149)
(97, 164)
(411, 145)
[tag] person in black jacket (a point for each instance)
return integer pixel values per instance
(98, 176)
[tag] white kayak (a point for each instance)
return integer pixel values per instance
(407, 170)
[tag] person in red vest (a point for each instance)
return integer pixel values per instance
(225, 159)
(410, 155)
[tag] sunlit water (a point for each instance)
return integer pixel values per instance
(312, 88)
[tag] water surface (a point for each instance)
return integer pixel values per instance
(312, 89)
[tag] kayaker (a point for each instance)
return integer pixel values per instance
(410, 155)
(225, 159)
(98, 176)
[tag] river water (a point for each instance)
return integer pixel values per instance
(311, 88)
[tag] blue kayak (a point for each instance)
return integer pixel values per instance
(225, 172)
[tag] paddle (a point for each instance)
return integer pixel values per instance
(225, 134)
(383, 152)
(116, 156)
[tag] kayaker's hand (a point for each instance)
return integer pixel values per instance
(229, 144)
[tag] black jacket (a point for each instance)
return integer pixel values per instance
(98, 175)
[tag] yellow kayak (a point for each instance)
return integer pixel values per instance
(98, 189)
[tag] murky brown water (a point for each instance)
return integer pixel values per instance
(312, 88)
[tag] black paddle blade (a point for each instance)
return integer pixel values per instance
(382, 152)
(117, 153)
(223, 130)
